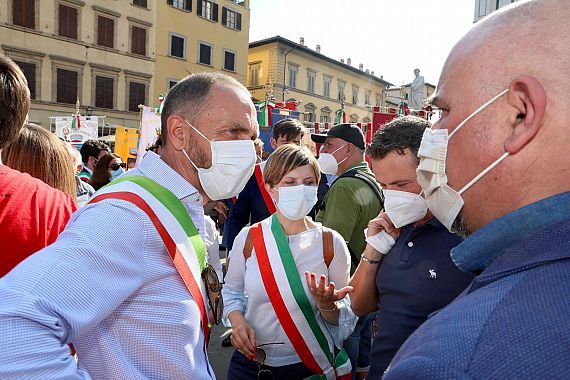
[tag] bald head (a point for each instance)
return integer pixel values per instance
(523, 49)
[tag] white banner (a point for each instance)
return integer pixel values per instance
(88, 128)
(150, 130)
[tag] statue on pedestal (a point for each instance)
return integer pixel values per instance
(417, 91)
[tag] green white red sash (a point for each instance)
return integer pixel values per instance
(266, 197)
(297, 316)
(175, 227)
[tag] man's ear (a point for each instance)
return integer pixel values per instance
(528, 97)
(273, 143)
(175, 131)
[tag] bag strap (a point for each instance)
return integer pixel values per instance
(355, 173)
(328, 246)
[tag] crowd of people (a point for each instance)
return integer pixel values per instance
(436, 251)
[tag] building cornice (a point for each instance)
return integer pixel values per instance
(307, 50)
(22, 51)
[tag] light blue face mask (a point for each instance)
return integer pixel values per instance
(116, 173)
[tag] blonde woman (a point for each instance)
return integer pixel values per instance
(285, 292)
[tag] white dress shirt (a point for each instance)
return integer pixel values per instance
(244, 291)
(108, 286)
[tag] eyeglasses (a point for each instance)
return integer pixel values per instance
(259, 358)
(114, 166)
(213, 291)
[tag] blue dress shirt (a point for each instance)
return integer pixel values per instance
(108, 286)
(513, 321)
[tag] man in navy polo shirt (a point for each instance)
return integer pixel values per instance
(417, 276)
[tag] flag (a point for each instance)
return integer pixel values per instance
(76, 121)
(340, 116)
(265, 109)
(403, 108)
(160, 102)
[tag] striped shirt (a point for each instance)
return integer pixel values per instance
(108, 286)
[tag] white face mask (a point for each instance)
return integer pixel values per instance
(403, 207)
(295, 202)
(328, 163)
(443, 201)
(232, 165)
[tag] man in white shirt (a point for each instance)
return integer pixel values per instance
(108, 285)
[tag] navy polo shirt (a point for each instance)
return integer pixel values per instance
(416, 278)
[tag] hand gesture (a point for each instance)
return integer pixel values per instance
(243, 335)
(382, 223)
(325, 295)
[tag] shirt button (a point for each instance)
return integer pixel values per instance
(410, 244)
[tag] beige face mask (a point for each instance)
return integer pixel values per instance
(443, 201)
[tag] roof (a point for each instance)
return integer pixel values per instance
(307, 50)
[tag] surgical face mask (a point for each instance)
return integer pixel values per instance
(328, 163)
(443, 201)
(404, 208)
(116, 173)
(295, 202)
(232, 165)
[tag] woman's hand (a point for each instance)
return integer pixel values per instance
(382, 223)
(325, 296)
(243, 335)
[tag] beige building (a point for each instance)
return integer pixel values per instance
(298, 72)
(394, 95)
(100, 52)
(198, 35)
(486, 7)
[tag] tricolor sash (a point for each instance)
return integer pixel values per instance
(175, 227)
(307, 333)
(266, 197)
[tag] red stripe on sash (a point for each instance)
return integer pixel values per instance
(278, 305)
(174, 253)
(266, 197)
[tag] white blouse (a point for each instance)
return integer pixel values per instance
(244, 291)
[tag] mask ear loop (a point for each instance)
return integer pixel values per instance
(489, 168)
(476, 112)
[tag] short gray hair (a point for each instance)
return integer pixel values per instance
(191, 96)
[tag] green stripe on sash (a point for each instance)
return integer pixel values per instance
(172, 204)
(297, 286)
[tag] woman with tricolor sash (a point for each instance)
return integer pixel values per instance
(285, 292)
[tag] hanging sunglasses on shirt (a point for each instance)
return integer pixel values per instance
(115, 166)
(259, 359)
(214, 293)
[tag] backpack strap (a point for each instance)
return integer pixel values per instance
(328, 246)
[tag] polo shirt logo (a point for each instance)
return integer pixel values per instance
(432, 273)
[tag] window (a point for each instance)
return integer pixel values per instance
(24, 13)
(66, 86)
(177, 46)
(254, 74)
(67, 21)
(378, 100)
(171, 83)
(181, 4)
(293, 69)
(140, 3)
(482, 8)
(29, 70)
(325, 117)
(229, 60)
(367, 98)
(105, 31)
(138, 40)
(104, 92)
(231, 19)
(341, 91)
(208, 9)
(137, 95)
(326, 86)
(205, 54)
(354, 95)
(311, 76)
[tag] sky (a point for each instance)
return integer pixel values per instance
(390, 37)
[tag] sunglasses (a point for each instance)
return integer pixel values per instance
(114, 166)
(214, 293)
(259, 358)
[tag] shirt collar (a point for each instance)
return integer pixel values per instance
(153, 167)
(87, 169)
(480, 249)
(358, 165)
